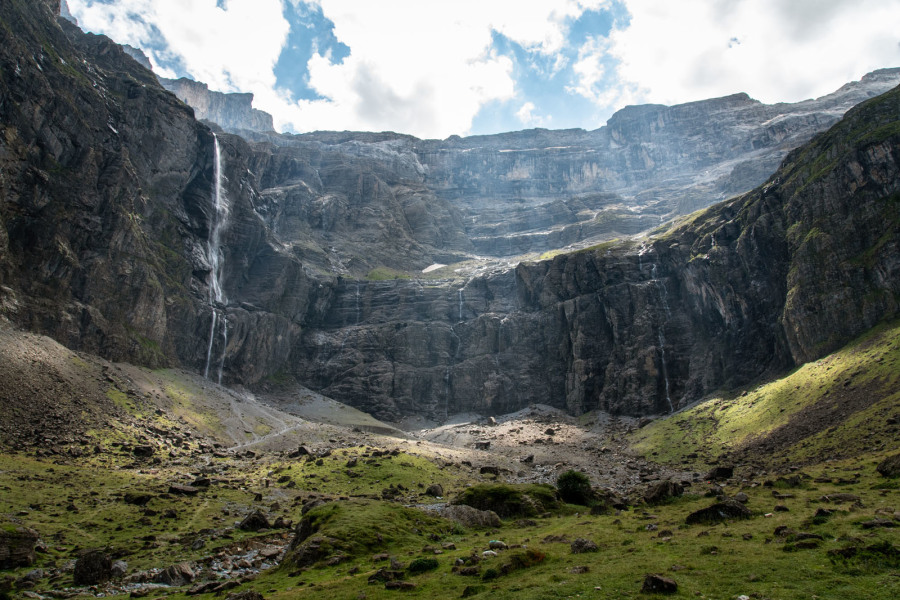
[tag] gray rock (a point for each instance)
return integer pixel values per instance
(718, 512)
(118, 570)
(176, 575)
(468, 516)
(582, 546)
(255, 521)
(890, 466)
(662, 492)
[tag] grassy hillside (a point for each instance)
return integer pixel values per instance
(843, 405)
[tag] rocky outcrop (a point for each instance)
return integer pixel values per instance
(105, 210)
(760, 283)
(532, 191)
(232, 112)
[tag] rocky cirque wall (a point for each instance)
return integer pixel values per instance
(757, 284)
(106, 209)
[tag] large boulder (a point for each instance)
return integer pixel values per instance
(255, 521)
(16, 546)
(468, 516)
(890, 466)
(662, 491)
(92, 567)
(657, 584)
(176, 575)
(718, 512)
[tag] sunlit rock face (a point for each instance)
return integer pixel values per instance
(107, 208)
(232, 112)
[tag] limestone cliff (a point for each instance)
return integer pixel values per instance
(232, 112)
(774, 278)
(105, 210)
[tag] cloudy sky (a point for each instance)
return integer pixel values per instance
(434, 68)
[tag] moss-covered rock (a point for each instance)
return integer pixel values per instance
(509, 500)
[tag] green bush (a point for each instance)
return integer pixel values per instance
(510, 500)
(574, 487)
(420, 565)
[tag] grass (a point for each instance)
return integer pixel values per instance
(386, 274)
(729, 422)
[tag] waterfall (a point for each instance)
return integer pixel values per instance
(217, 297)
(357, 302)
(664, 301)
(460, 294)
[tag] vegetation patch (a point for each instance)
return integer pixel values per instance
(510, 500)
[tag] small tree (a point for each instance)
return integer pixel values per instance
(574, 487)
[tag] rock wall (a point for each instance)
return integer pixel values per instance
(232, 112)
(780, 276)
(105, 210)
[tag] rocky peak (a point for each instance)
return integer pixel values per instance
(232, 112)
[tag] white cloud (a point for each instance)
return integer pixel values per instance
(423, 67)
(527, 116)
(232, 49)
(417, 67)
(787, 50)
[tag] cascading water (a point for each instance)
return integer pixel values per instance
(460, 294)
(664, 301)
(217, 297)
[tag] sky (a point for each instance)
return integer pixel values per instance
(435, 68)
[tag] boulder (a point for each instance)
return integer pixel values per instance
(255, 521)
(17, 545)
(435, 489)
(183, 490)
(582, 546)
(890, 466)
(468, 516)
(137, 498)
(718, 512)
(657, 584)
(118, 570)
(662, 492)
(176, 575)
(92, 567)
(720, 472)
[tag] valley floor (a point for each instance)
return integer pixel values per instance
(189, 488)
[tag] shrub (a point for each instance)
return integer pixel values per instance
(510, 500)
(420, 565)
(574, 487)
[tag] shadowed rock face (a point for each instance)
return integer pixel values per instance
(106, 210)
(760, 283)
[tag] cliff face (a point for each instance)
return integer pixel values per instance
(111, 240)
(440, 201)
(774, 278)
(232, 112)
(106, 210)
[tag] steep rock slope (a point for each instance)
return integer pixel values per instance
(531, 191)
(233, 112)
(759, 283)
(106, 210)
